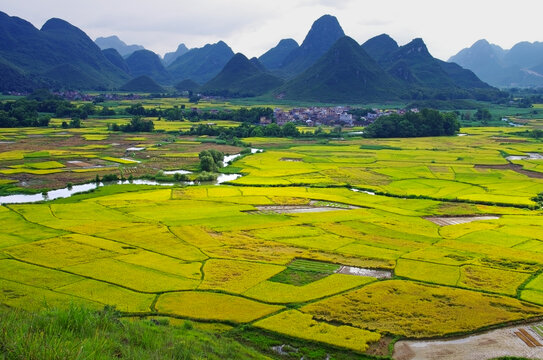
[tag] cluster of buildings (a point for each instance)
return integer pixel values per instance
(338, 115)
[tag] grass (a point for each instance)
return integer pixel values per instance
(78, 332)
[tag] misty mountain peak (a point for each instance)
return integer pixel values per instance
(323, 33)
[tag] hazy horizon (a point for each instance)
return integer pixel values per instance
(253, 28)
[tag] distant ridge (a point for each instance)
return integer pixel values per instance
(172, 56)
(201, 64)
(146, 62)
(520, 66)
(241, 77)
(113, 42)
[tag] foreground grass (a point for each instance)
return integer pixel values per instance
(80, 333)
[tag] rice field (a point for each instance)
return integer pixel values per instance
(454, 227)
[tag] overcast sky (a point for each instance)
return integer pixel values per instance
(254, 26)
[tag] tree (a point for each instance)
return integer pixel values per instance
(483, 115)
(75, 123)
(272, 130)
(290, 130)
(210, 160)
(137, 124)
(207, 164)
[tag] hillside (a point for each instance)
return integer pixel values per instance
(187, 85)
(416, 68)
(59, 54)
(324, 32)
(142, 83)
(116, 59)
(346, 73)
(145, 62)
(79, 332)
(113, 42)
(274, 58)
(413, 64)
(201, 64)
(13, 79)
(241, 77)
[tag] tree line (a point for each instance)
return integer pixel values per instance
(427, 122)
(181, 113)
(37, 109)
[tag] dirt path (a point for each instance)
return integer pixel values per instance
(519, 341)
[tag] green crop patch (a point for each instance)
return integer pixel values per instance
(302, 272)
(315, 266)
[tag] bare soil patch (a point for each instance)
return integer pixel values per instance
(489, 345)
(455, 220)
(291, 159)
(81, 164)
(380, 348)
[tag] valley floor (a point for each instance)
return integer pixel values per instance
(349, 244)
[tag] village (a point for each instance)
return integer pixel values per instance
(338, 115)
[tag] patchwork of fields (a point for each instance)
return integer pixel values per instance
(452, 227)
(49, 158)
(202, 253)
(470, 168)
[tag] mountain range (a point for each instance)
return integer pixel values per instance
(113, 42)
(327, 66)
(521, 66)
(57, 55)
